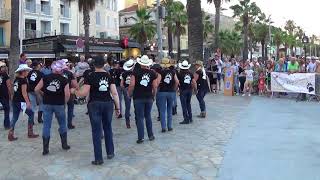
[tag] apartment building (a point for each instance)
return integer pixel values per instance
(5, 28)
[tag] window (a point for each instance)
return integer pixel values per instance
(115, 26)
(45, 7)
(98, 18)
(64, 28)
(115, 5)
(45, 28)
(2, 36)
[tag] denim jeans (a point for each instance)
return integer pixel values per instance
(16, 108)
(101, 113)
(70, 110)
(166, 100)
(142, 109)
(185, 99)
(236, 84)
(174, 100)
(200, 96)
(120, 91)
(35, 100)
(127, 101)
(60, 114)
(6, 107)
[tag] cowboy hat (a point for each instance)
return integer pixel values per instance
(127, 66)
(59, 66)
(200, 63)
(165, 62)
(184, 65)
(23, 67)
(144, 61)
(2, 64)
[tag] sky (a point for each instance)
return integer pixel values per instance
(304, 13)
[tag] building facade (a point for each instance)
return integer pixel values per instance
(129, 3)
(5, 27)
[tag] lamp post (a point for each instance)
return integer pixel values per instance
(305, 41)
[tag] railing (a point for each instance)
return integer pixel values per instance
(5, 14)
(45, 9)
(33, 8)
(31, 34)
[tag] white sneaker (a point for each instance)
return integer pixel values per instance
(249, 95)
(243, 95)
(237, 94)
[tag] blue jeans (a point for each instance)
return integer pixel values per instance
(60, 114)
(101, 113)
(166, 100)
(6, 108)
(200, 96)
(185, 99)
(16, 108)
(174, 100)
(127, 101)
(142, 110)
(236, 84)
(70, 110)
(120, 91)
(35, 100)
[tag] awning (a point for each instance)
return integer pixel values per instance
(40, 56)
(4, 55)
(94, 49)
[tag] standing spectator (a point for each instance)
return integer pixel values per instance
(220, 66)
(235, 69)
(312, 66)
(23, 58)
(115, 73)
(280, 66)
(212, 70)
(200, 77)
(249, 80)
(29, 62)
(81, 67)
(293, 65)
(242, 76)
(5, 94)
(46, 70)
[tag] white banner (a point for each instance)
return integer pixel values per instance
(296, 83)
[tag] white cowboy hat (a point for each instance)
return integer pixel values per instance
(23, 67)
(127, 66)
(145, 61)
(184, 65)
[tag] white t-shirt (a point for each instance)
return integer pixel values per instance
(219, 65)
(312, 67)
(249, 74)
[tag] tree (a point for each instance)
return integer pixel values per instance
(217, 5)
(85, 6)
(278, 39)
(180, 19)
(14, 38)
(144, 29)
(230, 42)
(247, 12)
(207, 26)
(195, 30)
(169, 23)
(290, 26)
(261, 31)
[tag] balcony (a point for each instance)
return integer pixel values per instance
(45, 9)
(30, 7)
(31, 34)
(65, 12)
(5, 15)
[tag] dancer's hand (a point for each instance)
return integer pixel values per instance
(117, 112)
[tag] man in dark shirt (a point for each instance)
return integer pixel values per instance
(116, 73)
(5, 94)
(200, 78)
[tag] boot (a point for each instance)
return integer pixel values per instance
(64, 142)
(128, 124)
(30, 132)
(11, 135)
(40, 121)
(202, 115)
(45, 145)
(174, 110)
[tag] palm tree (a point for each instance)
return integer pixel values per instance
(207, 26)
(85, 6)
(195, 30)
(169, 23)
(290, 26)
(278, 39)
(261, 32)
(217, 5)
(14, 38)
(247, 12)
(230, 42)
(180, 19)
(144, 29)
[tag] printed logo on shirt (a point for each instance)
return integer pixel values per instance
(15, 86)
(145, 80)
(187, 79)
(33, 76)
(128, 79)
(103, 84)
(65, 75)
(168, 78)
(54, 86)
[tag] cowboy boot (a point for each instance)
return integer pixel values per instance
(64, 142)
(45, 145)
(40, 121)
(203, 115)
(128, 124)
(30, 132)
(11, 135)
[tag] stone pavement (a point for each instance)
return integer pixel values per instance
(189, 152)
(277, 139)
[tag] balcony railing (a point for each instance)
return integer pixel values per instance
(45, 9)
(5, 14)
(31, 34)
(33, 8)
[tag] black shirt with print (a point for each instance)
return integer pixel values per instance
(116, 75)
(100, 83)
(4, 94)
(202, 84)
(143, 83)
(87, 73)
(126, 76)
(34, 77)
(167, 80)
(69, 76)
(17, 89)
(53, 89)
(185, 80)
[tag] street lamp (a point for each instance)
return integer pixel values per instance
(305, 41)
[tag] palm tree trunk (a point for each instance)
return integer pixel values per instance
(245, 34)
(217, 25)
(86, 22)
(178, 41)
(170, 41)
(14, 38)
(278, 47)
(263, 50)
(195, 30)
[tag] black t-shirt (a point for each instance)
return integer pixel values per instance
(143, 83)
(126, 76)
(3, 86)
(69, 76)
(34, 77)
(116, 75)
(100, 83)
(201, 83)
(167, 80)
(17, 89)
(87, 73)
(53, 89)
(185, 80)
